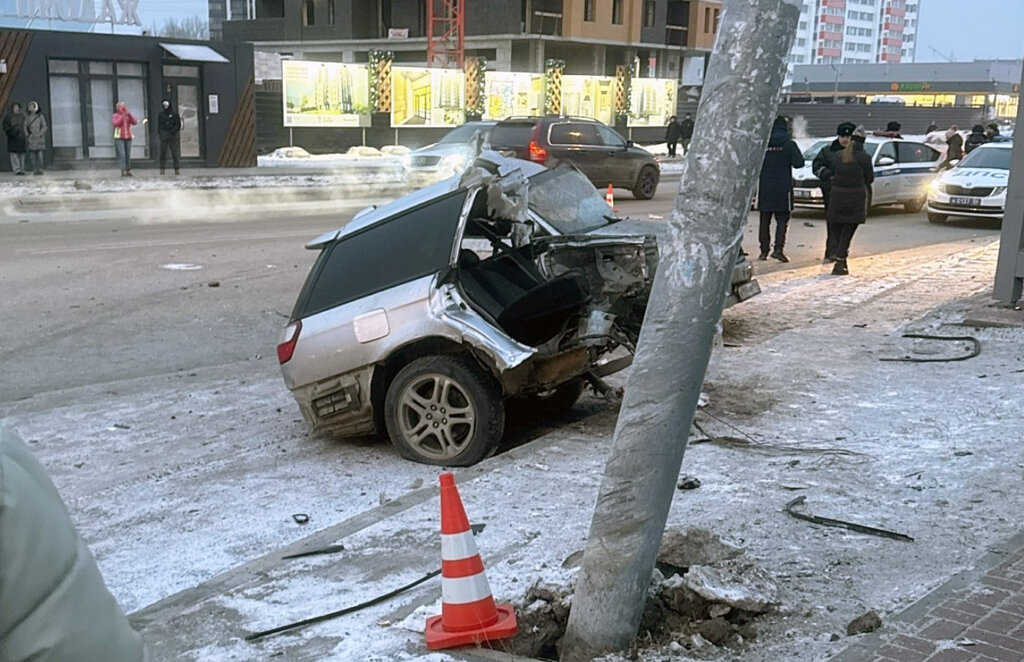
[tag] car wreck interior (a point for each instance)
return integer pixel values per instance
(509, 289)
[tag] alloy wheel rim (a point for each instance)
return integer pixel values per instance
(436, 416)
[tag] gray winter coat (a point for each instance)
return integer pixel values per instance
(53, 603)
(35, 130)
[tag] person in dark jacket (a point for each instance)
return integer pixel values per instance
(168, 128)
(851, 184)
(823, 167)
(976, 139)
(14, 128)
(55, 604)
(686, 132)
(954, 146)
(775, 188)
(672, 135)
(35, 136)
(993, 135)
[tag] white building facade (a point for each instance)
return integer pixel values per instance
(855, 32)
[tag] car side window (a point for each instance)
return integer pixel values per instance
(911, 152)
(409, 246)
(573, 133)
(888, 149)
(610, 137)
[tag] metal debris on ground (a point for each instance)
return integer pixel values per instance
(974, 351)
(341, 612)
(301, 518)
(330, 549)
(828, 521)
(753, 445)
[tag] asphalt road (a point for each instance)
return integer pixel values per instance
(101, 301)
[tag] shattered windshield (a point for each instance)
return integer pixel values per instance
(566, 199)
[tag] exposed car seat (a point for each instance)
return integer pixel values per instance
(531, 311)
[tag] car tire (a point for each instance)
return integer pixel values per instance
(936, 218)
(555, 402)
(646, 183)
(466, 399)
(914, 206)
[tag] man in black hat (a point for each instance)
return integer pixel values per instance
(824, 167)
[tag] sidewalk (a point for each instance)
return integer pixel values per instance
(977, 616)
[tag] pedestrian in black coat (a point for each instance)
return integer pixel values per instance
(672, 135)
(976, 139)
(168, 126)
(851, 184)
(14, 128)
(823, 167)
(686, 132)
(775, 188)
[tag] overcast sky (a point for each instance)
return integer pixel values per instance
(970, 29)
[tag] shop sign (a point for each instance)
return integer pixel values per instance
(117, 12)
(398, 33)
(910, 87)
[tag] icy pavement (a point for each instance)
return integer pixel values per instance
(185, 485)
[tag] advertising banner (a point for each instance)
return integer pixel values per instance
(651, 101)
(427, 97)
(325, 94)
(589, 96)
(509, 93)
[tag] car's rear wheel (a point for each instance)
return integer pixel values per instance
(444, 410)
(646, 183)
(936, 218)
(915, 206)
(555, 402)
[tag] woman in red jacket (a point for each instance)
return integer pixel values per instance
(123, 122)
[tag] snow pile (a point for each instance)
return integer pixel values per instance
(359, 157)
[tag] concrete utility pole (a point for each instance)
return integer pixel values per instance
(741, 97)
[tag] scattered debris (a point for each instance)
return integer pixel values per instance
(974, 351)
(341, 612)
(119, 426)
(739, 583)
(963, 453)
(415, 485)
(330, 549)
(213, 283)
(827, 521)
(688, 483)
(808, 224)
(868, 622)
(301, 518)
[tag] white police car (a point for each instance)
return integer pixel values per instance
(903, 170)
(976, 187)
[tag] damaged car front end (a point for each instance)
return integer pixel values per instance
(427, 316)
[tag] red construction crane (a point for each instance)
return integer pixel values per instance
(445, 31)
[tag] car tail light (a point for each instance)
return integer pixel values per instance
(287, 348)
(537, 153)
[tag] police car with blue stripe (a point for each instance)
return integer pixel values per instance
(976, 187)
(903, 171)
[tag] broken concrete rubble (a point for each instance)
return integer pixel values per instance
(704, 596)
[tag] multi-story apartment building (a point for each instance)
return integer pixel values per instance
(658, 37)
(855, 32)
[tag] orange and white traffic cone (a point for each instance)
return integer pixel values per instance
(469, 614)
(609, 197)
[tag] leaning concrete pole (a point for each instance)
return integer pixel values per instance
(741, 97)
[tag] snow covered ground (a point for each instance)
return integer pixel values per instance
(189, 506)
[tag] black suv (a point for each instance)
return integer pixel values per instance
(600, 152)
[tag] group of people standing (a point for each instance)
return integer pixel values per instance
(26, 136)
(846, 174)
(678, 132)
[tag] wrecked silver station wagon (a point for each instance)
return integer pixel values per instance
(509, 284)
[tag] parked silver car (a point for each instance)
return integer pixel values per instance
(426, 315)
(448, 156)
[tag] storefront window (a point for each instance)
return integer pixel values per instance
(83, 95)
(66, 116)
